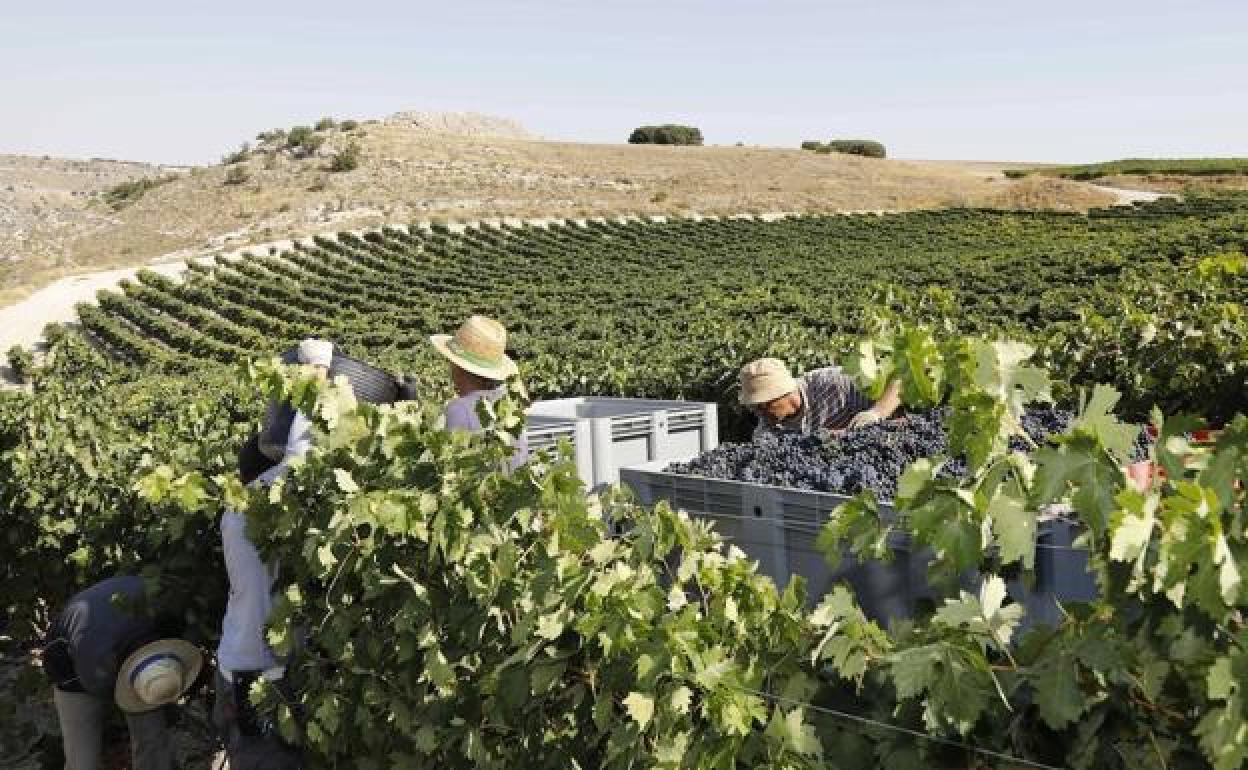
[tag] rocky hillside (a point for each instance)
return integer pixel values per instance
(421, 166)
(44, 201)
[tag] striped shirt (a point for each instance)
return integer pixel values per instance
(830, 399)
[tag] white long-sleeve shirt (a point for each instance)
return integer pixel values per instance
(461, 414)
(242, 646)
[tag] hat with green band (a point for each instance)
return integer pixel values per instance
(478, 346)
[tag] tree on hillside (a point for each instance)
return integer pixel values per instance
(304, 141)
(868, 148)
(348, 158)
(668, 133)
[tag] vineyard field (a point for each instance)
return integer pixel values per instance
(671, 309)
(442, 612)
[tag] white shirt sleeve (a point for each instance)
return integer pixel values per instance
(298, 442)
(242, 646)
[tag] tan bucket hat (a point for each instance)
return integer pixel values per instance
(478, 346)
(765, 380)
(156, 674)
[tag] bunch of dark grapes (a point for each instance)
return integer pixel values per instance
(872, 457)
(1039, 424)
(1042, 423)
(778, 459)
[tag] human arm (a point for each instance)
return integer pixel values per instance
(298, 442)
(882, 409)
(761, 430)
(242, 645)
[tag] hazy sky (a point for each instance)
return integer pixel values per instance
(1067, 81)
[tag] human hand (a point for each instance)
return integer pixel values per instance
(863, 419)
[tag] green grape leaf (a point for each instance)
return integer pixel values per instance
(345, 482)
(640, 708)
(1058, 696)
(1014, 526)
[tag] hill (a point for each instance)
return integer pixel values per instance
(1164, 175)
(426, 166)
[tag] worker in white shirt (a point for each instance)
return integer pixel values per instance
(479, 366)
(243, 654)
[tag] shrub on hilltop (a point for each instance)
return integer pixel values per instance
(669, 133)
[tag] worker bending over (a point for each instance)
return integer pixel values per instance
(820, 401)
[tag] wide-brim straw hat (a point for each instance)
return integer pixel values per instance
(765, 380)
(478, 346)
(157, 674)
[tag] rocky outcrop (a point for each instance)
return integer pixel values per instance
(461, 124)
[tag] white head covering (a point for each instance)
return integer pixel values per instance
(316, 352)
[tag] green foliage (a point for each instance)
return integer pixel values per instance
(1177, 343)
(678, 296)
(325, 124)
(1143, 166)
(69, 453)
(124, 193)
(237, 175)
(466, 617)
(21, 362)
(348, 158)
(865, 147)
(459, 615)
(1149, 667)
(304, 141)
(668, 133)
(238, 156)
(349, 125)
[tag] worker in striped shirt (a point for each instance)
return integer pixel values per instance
(820, 401)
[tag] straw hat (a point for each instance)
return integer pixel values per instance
(478, 346)
(156, 674)
(316, 352)
(765, 380)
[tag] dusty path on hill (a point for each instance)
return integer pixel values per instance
(22, 323)
(1127, 197)
(994, 171)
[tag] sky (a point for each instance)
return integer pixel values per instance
(1056, 81)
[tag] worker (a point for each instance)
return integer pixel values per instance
(243, 655)
(479, 367)
(109, 645)
(820, 401)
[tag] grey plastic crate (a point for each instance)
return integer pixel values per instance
(777, 527)
(612, 433)
(1062, 573)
